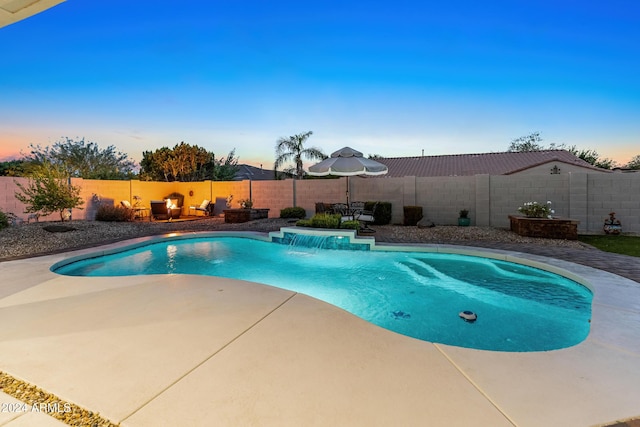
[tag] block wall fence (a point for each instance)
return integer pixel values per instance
(490, 199)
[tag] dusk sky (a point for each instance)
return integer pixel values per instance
(388, 78)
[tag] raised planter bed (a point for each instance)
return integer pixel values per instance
(556, 228)
(244, 215)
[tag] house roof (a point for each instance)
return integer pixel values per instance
(475, 164)
(253, 173)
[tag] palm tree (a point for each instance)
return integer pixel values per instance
(292, 149)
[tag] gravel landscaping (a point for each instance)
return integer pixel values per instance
(45, 238)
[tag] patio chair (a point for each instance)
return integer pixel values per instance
(343, 210)
(136, 211)
(205, 207)
(322, 208)
(366, 217)
(356, 208)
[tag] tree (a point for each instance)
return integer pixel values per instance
(225, 168)
(591, 156)
(185, 162)
(153, 165)
(526, 143)
(82, 159)
(533, 142)
(13, 168)
(292, 149)
(634, 163)
(49, 190)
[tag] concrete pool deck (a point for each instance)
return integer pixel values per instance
(199, 351)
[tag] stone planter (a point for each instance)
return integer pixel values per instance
(556, 228)
(244, 215)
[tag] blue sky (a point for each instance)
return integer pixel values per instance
(388, 78)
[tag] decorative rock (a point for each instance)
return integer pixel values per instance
(426, 223)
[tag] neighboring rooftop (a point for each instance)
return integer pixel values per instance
(476, 164)
(256, 174)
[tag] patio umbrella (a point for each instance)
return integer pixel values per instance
(347, 162)
(16, 10)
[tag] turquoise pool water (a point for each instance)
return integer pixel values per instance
(418, 294)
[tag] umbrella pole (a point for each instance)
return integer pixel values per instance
(348, 193)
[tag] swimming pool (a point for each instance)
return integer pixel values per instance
(419, 294)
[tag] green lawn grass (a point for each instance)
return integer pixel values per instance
(626, 245)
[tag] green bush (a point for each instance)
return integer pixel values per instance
(114, 213)
(321, 221)
(295, 212)
(4, 220)
(381, 212)
(412, 214)
(49, 191)
(326, 221)
(351, 225)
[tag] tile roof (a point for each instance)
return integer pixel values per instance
(255, 174)
(475, 164)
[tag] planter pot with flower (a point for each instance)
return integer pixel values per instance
(463, 219)
(537, 221)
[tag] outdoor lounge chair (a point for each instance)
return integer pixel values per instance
(136, 210)
(206, 207)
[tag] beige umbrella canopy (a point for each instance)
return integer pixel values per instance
(347, 162)
(16, 10)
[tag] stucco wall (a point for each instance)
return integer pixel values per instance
(587, 197)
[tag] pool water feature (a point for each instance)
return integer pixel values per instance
(418, 294)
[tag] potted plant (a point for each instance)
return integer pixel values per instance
(464, 219)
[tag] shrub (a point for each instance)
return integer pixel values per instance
(321, 221)
(326, 221)
(114, 213)
(351, 225)
(412, 214)
(4, 220)
(381, 212)
(295, 212)
(49, 191)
